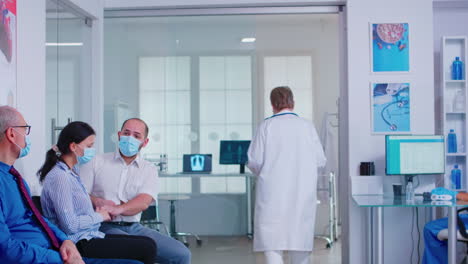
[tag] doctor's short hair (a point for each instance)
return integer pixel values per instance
(281, 97)
(8, 117)
(138, 119)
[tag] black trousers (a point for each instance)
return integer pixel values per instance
(119, 247)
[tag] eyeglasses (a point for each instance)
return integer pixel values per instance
(28, 128)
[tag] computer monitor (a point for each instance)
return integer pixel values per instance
(197, 163)
(414, 154)
(234, 152)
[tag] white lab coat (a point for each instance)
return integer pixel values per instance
(285, 155)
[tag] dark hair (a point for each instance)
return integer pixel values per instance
(282, 97)
(74, 132)
(138, 119)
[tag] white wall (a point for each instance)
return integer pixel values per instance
(363, 146)
(31, 83)
(448, 21)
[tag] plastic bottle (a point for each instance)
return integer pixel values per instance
(455, 176)
(459, 102)
(457, 69)
(409, 191)
(452, 142)
(163, 163)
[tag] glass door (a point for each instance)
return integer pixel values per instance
(68, 67)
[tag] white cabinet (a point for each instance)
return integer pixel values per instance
(454, 113)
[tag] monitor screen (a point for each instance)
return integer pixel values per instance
(233, 152)
(410, 154)
(194, 163)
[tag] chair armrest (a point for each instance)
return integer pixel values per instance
(443, 235)
(460, 224)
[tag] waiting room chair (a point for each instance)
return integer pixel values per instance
(150, 218)
(37, 202)
(462, 235)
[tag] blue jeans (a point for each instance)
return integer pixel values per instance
(435, 250)
(110, 261)
(170, 250)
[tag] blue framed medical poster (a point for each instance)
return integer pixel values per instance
(391, 108)
(390, 47)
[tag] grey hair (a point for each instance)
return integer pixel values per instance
(8, 117)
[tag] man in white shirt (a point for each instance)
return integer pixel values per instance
(126, 184)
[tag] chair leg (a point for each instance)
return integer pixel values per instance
(173, 220)
(465, 259)
(186, 234)
(167, 230)
(173, 232)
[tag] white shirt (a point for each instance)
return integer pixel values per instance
(107, 176)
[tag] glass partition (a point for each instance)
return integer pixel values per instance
(68, 67)
(197, 80)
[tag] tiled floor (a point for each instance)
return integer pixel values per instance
(238, 250)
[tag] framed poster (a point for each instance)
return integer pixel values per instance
(8, 52)
(390, 47)
(391, 108)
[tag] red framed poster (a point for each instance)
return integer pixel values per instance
(8, 52)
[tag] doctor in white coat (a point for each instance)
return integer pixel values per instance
(285, 155)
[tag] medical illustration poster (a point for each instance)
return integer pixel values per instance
(8, 52)
(391, 108)
(390, 47)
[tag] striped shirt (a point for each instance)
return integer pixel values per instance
(66, 203)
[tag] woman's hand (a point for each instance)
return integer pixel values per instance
(104, 213)
(114, 210)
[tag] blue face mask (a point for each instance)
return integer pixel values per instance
(24, 151)
(129, 146)
(88, 155)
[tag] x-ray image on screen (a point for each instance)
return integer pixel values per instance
(197, 162)
(194, 163)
